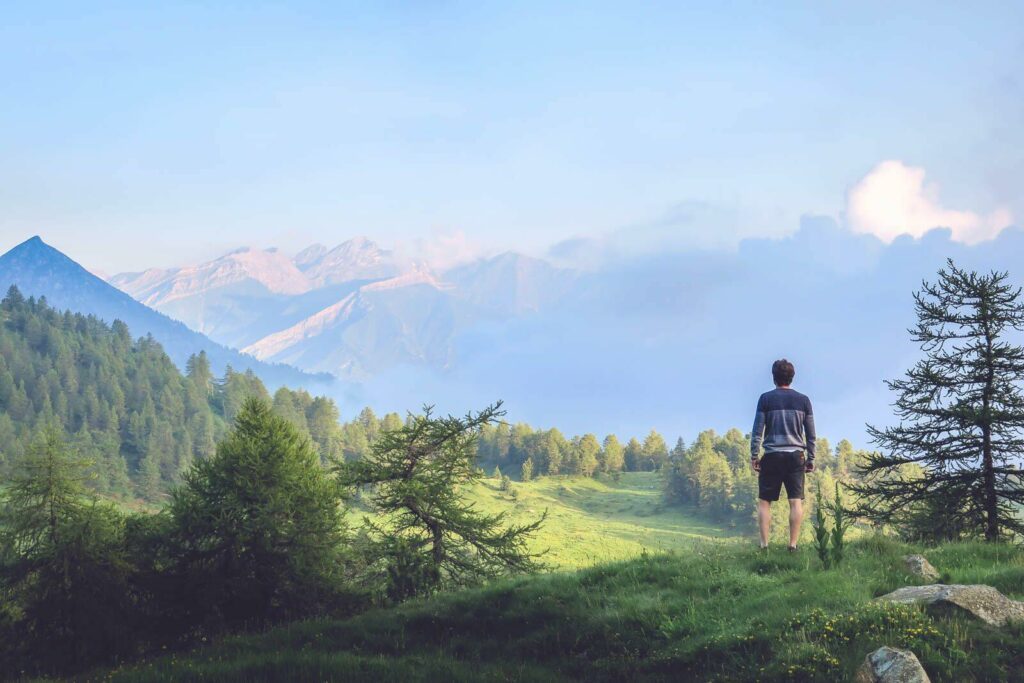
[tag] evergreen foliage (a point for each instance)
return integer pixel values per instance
(259, 530)
(63, 566)
(121, 403)
(416, 473)
(961, 409)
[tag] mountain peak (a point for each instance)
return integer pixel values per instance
(34, 243)
(357, 258)
(35, 250)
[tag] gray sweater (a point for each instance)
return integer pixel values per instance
(784, 422)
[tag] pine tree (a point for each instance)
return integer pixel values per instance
(961, 410)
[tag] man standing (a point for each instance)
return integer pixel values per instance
(784, 424)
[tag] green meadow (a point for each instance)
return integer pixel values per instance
(592, 521)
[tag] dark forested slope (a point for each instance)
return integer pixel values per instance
(121, 402)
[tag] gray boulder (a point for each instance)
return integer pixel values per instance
(980, 602)
(891, 665)
(919, 566)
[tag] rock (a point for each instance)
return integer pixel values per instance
(891, 665)
(976, 601)
(919, 566)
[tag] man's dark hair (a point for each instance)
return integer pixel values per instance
(782, 372)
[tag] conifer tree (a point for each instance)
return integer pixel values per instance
(62, 565)
(654, 452)
(416, 474)
(527, 470)
(961, 411)
(258, 526)
(632, 455)
(612, 454)
(588, 448)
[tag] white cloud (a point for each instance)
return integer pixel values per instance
(442, 250)
(893, 199)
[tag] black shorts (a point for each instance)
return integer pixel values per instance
(778, 469)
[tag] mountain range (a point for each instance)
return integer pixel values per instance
(354, 310)
(676, 339)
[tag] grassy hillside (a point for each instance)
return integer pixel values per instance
(718, 611)
(592, 521)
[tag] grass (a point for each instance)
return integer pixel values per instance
(593, 521)
(712, 612)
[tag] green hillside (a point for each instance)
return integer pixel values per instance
(718, 611)
(591, 521)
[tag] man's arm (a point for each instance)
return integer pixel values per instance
(757, 433)
(809, 431)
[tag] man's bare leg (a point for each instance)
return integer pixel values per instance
(796, 516)
(764, 520)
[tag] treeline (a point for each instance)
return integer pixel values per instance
(521, 450)
(713, 475)
(122, 404)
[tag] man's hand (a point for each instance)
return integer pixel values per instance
(756, 464)
(809, 467)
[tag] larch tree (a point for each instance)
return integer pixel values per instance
(434, 538)
(612, 456)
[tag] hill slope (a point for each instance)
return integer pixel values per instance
(40, 270)
(120, 402)
(591, 521)
(721, 612)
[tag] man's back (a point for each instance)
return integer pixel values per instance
(786, 419)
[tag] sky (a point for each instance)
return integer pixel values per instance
(150, 134)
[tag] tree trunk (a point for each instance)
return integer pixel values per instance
(989, 476)
(991, 506)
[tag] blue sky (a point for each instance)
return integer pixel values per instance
(143, 134)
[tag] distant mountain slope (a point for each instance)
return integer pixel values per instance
(245, 295)
(354, 259)
(410, 318)
(268, 269)
(355, 310)
(40, 270)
